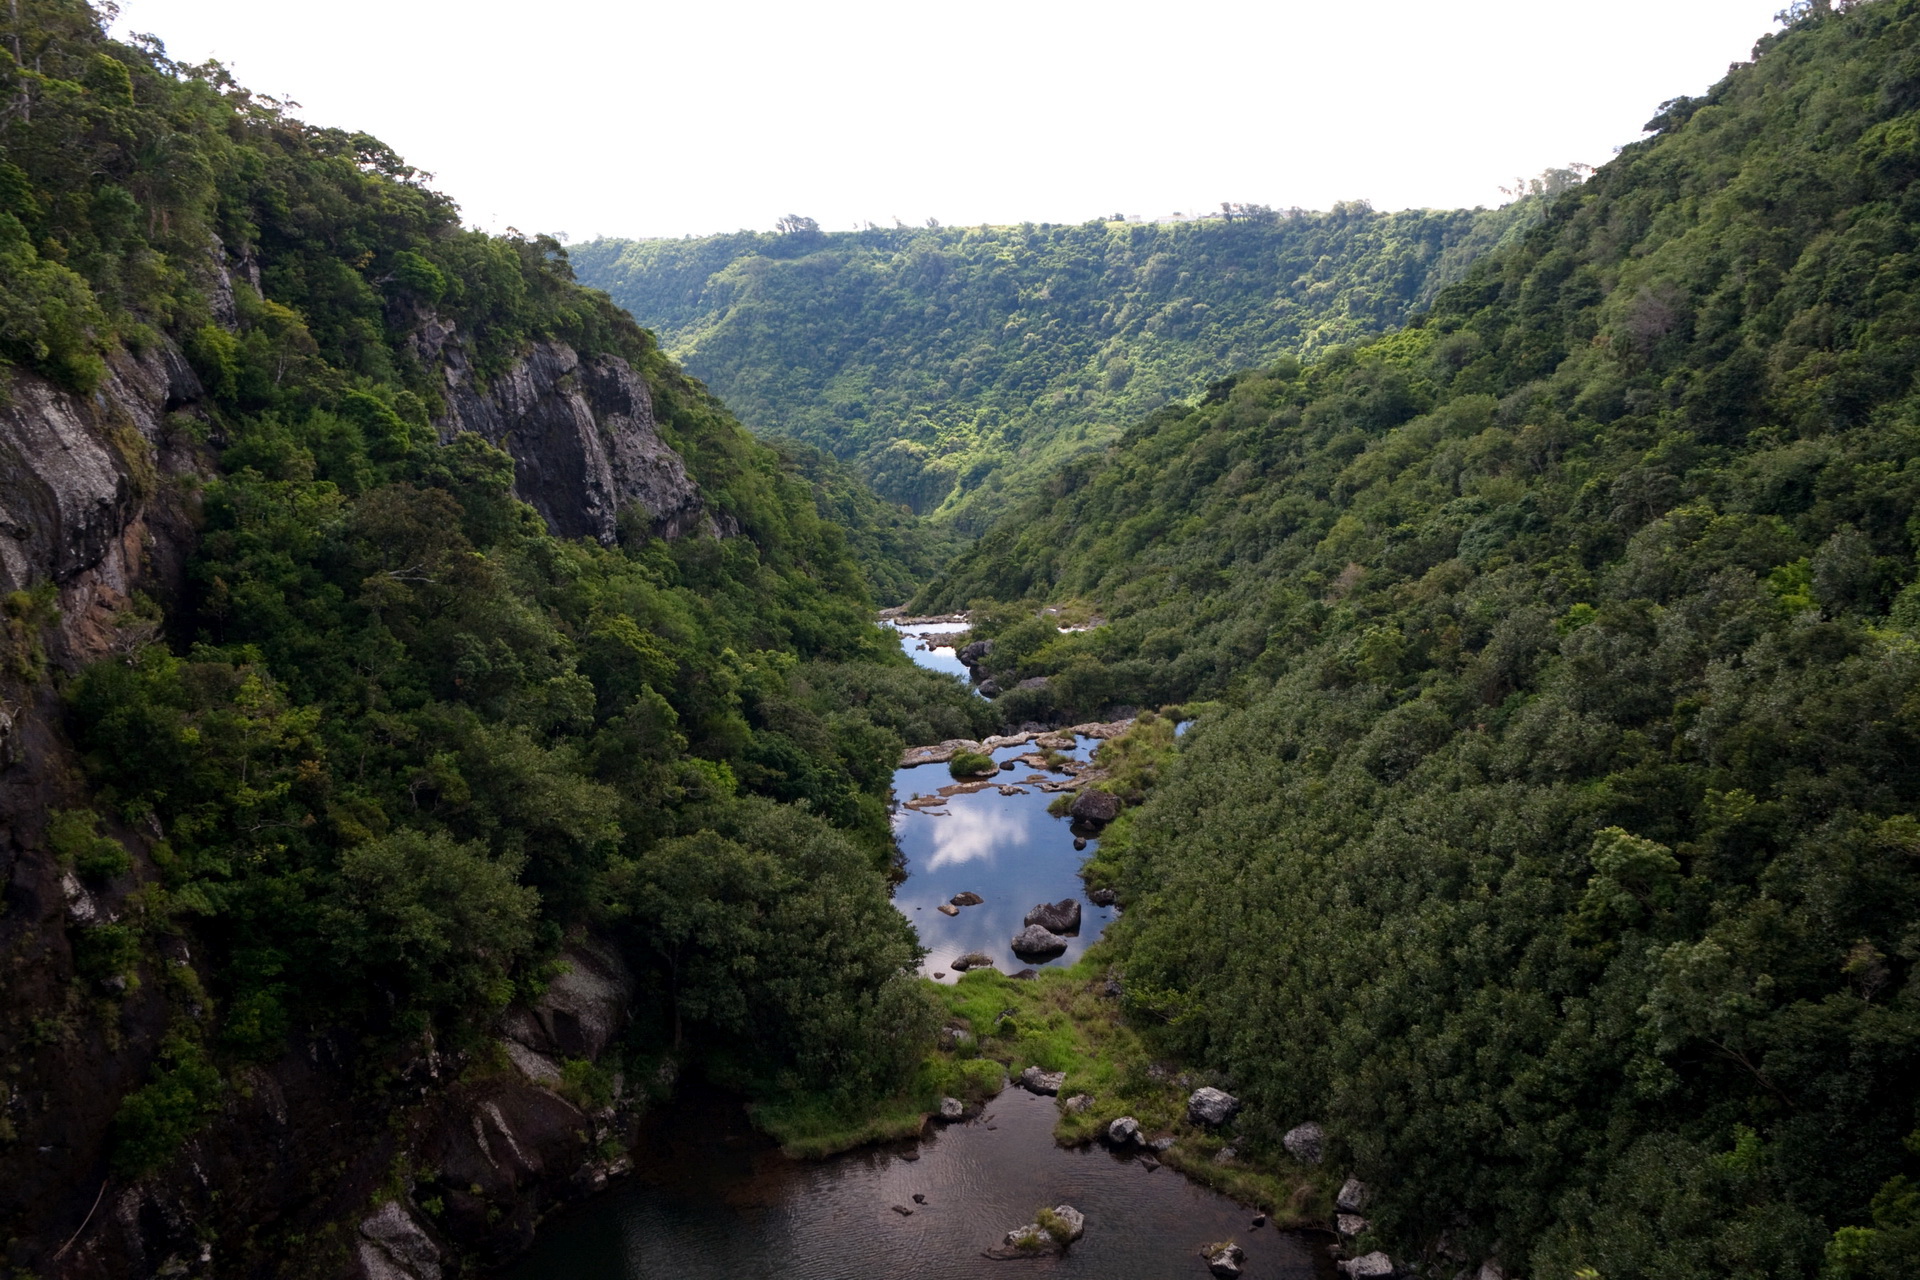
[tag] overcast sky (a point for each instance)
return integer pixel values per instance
(603, 117)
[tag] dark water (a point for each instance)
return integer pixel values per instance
(1006, 848)
(709, 1198)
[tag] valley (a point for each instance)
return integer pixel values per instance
(1336, 743)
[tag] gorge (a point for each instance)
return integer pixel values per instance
(1460, 673)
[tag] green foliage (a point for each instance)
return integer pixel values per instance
(163, 1113)
(1557, 851)
(399, 739)
(74, 838)
(956, 368)
(970, 764)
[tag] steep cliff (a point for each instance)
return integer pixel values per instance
(395, 648)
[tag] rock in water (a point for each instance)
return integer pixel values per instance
(1124, 1132)
(1037, 943)
(1043, 1082)
(1095, 806)
(903, 1211)
(973, 960)
(1212, 1107)
(947, 909)
(1224, 1260)
(1062, 917)
(1307, 1143)
(972, 654)
(952, 1109)
(968, 899)
(1072, 1220)
(1355, 1195)
(1101, 897)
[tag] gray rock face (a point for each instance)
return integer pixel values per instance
(394, 1240)
(1368, 1266)
(1354, 1196)
(1095, 806)
(1124, 1132)
(78, 504)
(583, 1008)
(1037, 943)
(1212, 1107)
(582, 437)
(1306, 1143)
(975, 653)
(1034, 1080)
(1062, 917)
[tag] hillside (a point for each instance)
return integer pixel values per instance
(1557, 846)
(955, 367)
(400, 657)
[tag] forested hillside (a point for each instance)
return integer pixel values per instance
(1561, 853)
(291, 826)
(954, 367)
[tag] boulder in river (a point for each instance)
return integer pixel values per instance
(1101, 897)
(1224, 1259)
(1095, 806)
(971, 655)
(1212, 1107)
(1062, 917)
(968, 899)
(1368, 1266)
(1050, 1233)
(952, 1109)
(1123, 1132)
(973, 960)
(1038, 943)
(1034, 1080)
(947, 909)
(1306, 1143)
(989, 688)
(1355, 1195)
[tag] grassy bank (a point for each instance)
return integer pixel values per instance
(1063, 1020)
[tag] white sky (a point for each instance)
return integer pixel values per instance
(591, 117)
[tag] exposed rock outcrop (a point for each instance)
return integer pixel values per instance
(1212, 1107)
(581, 434)
(1038, 943)
(1062, 917)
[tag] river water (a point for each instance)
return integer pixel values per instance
(1006, 848)
(710, 1198)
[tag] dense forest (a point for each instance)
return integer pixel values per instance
(1560, 852)
(393, 741)
(955, 367)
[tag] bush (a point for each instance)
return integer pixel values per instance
(970, 764)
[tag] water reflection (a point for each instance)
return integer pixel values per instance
(711, 1199)
(935, 657)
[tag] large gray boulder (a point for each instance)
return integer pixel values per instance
(1062, 917)
(1095, 806)
(973, 960)
(1212, 1107)
(1035, 1080)
(1306, 1143)
(975, 653)
(1037, 943)
(1225, 1260)
(1124, 1132)
(1368, 1266)
(952, 1109)
(1354, 1196)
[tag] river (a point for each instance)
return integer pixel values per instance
(710, 1198)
